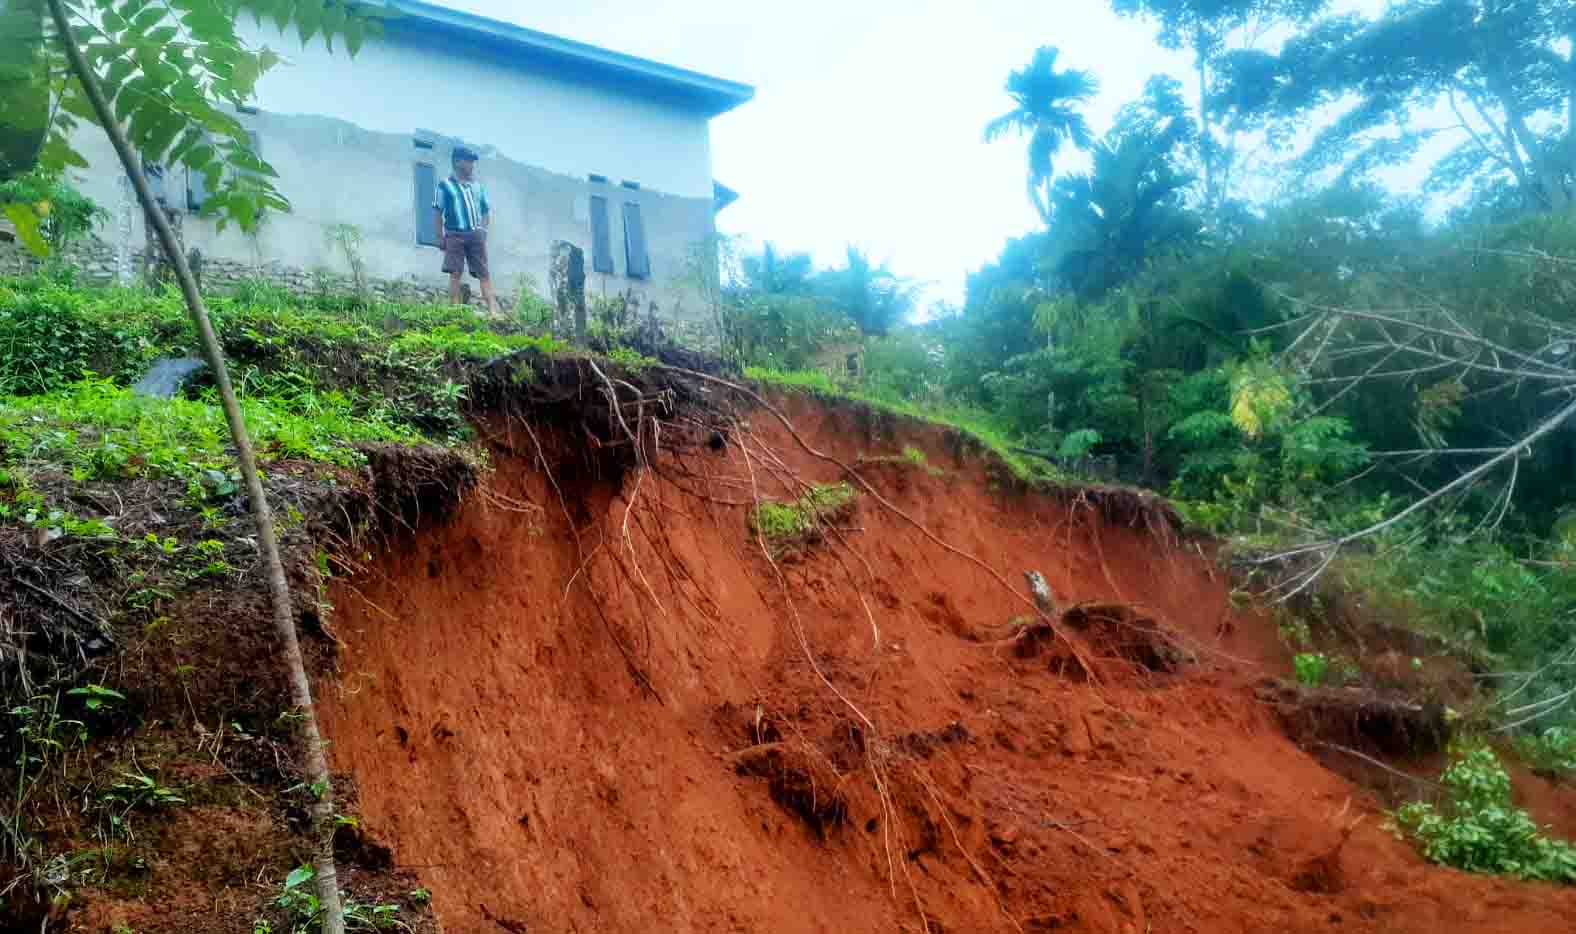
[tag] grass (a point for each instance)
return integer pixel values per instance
(972, 423)
(783, 524)
(96, 430)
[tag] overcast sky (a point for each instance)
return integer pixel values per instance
(868, 113)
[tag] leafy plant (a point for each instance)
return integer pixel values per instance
(782, 524)
(1552, 752)
(303, 911)
(1311, 667)
(1479, 829)
(56, 213)
(96, 696)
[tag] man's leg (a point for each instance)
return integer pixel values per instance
(476, 256)
(453, 264)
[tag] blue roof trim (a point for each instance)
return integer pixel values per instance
(711, 95)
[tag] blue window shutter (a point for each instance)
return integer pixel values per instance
(154, 173)
(426, 226)
(196, 190)
(601, 239)
(636, 261)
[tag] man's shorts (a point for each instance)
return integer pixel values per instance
(465, 248)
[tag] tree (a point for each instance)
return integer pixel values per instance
(24, 92)
(773, 274)
(1211, 29)
(168, 72)
(1107, 223)
(871, 295)
(1497, 75)
(1046, 103)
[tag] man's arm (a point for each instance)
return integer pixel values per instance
(437, 225)
(486, 209)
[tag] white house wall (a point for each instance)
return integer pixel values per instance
(471, 92)
(336, 174)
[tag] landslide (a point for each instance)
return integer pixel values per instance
(600, 697)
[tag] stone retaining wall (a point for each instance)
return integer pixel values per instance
(95, 262)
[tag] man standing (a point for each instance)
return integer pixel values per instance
(460, 205)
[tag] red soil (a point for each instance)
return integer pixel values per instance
(554, 747)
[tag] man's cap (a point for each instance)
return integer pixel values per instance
(465, 152)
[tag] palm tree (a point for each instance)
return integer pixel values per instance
(1128, 209)
(1047, 110)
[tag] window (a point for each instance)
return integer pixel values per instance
(601, 239)
(632, 186)
(597, 179)
(154, 173)
(426, 184)
(636, 262)
(196, 190)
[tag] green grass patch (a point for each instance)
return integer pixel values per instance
(972, 423)
(783, 524)
(96, 430)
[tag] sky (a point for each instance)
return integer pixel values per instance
(866, 125)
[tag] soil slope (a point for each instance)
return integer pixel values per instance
(589, 703)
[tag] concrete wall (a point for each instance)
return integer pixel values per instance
(342, 133)
(335, 173)
(469, 91)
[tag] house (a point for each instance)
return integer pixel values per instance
(579, 144)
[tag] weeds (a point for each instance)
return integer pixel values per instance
(1479, 829)
(1552, 752)
(1311, 668)
(134, 791)
(39, 737)
(303, 913)
(975, 424)
(784, 524)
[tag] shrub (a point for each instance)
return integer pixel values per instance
(1553, 751)
(1311, 667)
(1479, 829)
(783, 523)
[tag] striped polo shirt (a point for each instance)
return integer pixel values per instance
(463, 204)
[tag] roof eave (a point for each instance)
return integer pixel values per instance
(711, 95)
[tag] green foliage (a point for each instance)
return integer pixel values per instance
(630, 359)
(57, 214)
(1478, 828)
(36, 738)
(97, 430)
(1311, 668)
(1499, 67)
(1475, 593)
(1045, 108)
(1552, 751)
(782, 524)
(303, 912)
(972, 423)
(317, 357)
(173, 76)
(97, 697)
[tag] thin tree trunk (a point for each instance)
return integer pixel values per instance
(314, 763)
(1206, 132)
